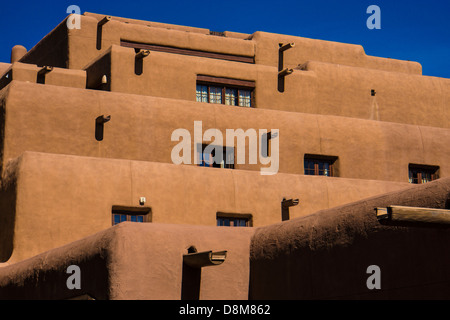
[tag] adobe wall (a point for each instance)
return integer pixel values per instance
(318, 88)
(326, 255)
(62, 198)
(4, 67)
(333, 78)
(306, 49)
(79, 46)
(263, 45)
(83, 42)
(31, 73)
(99, 17)
(62, 120)
(113, 267)
(44, 276)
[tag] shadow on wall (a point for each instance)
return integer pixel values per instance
(326, 255)
(8, 196)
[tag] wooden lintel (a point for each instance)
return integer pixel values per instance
(414, 215)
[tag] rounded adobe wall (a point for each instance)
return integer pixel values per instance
(134, 262)
(326, 255)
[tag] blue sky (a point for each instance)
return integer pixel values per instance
(410, 30)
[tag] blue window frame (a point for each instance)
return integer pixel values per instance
(233, 220)
(319, 165)
(131, 214)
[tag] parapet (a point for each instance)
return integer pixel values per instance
(76, 48)
(326, 255)
(106, 259)
(43, 75)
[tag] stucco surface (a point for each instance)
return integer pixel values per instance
(317, 87)
(61, 120)
(133, 262)
(4, 67)
(59, 183)
(322, 256)
(62, 198)
(326, 255)
(80, 44)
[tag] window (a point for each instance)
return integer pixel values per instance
(318, 165)
(422, 173)
(207, 156)
(225, 91)
(132, 214)
(233, 220)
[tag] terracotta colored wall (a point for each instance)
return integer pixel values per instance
(58, 76)
(63, 198)
(83, 42)
(113, 267)
(305, 49)
(332, 80)
(319, 88)
(62, 120)
(44, 276)
(326, 255)
(4, 67)
(264, 46)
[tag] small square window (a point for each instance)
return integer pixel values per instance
(215, 94)
(419, 174)
(245, 98)
(207, 156)
(231, 97)
(319, 165)
(234, 220)
(132, 214)
(231, 92)
(202, 93)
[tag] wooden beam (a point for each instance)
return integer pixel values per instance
(189, 52)
(245, 84)
(413, 215)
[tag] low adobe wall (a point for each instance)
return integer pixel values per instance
(61, 198)
(326, 255)
(322, 256)
(134, 262)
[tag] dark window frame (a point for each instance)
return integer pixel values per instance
(228, 83)
(233, 217)
(144, 212)
(215, 165)
(316, 160)
(417, 172)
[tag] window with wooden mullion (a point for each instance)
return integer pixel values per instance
(122, 217)
(422, 174)
(232, 222)
(318, 167)
(227, 95)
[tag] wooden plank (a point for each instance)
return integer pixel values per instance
(226, 81)
(190, 52)
(414, 215)
(382, 213)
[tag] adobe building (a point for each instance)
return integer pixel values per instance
(352, 167)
